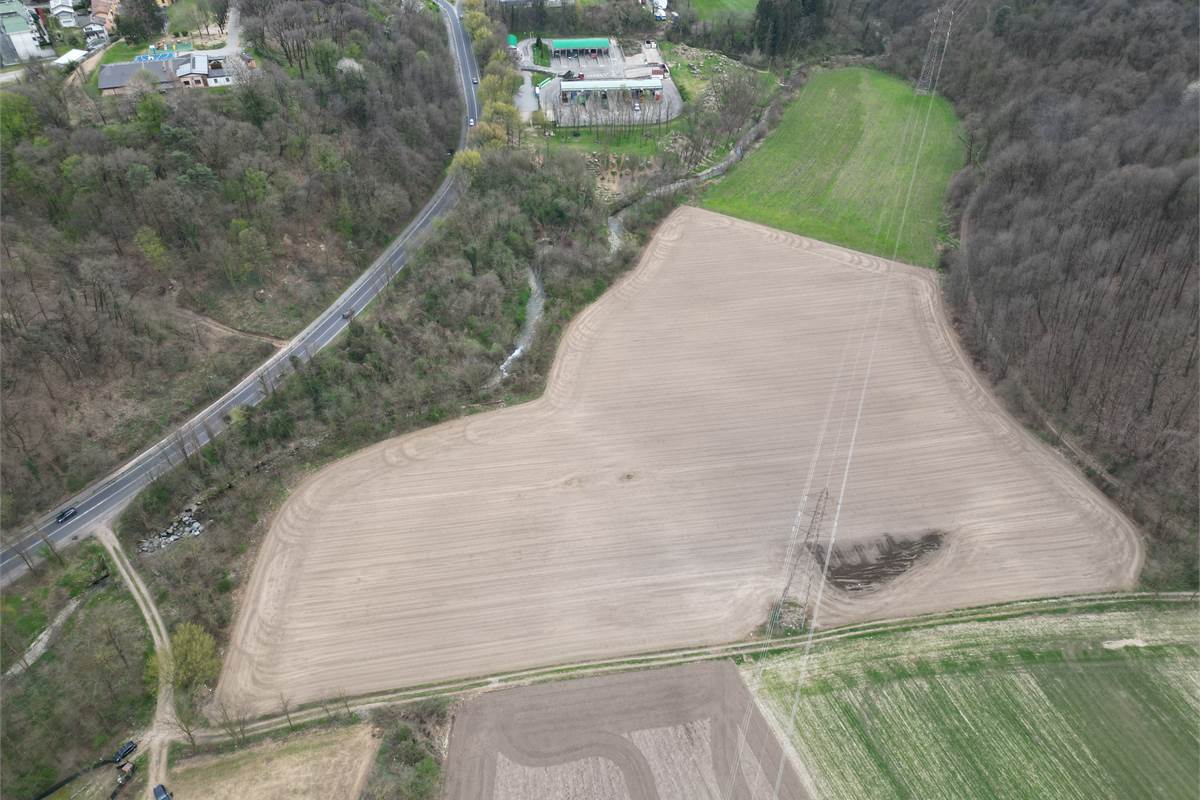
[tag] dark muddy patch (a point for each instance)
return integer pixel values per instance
(866, 566)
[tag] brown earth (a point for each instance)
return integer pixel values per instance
(676, 733)
(657, 492)
(327, 765)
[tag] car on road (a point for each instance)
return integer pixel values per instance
(65, 515)
(475, 80)
(348, 313)
(161, 793)
(124, 752)
(471, 122)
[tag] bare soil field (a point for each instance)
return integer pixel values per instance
(327, 765)
(670, 734)
(661, 491)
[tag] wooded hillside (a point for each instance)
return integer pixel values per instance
(144, 234)
(1077, 276)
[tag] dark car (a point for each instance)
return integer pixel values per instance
(125, 751)
(348, 313)
(65, 515)
(161, 793)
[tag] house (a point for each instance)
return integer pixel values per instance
(64, 12)
(94, 35)
(193, 71)
(22, 32)
(119, 78)
(104, 12)
(196, 70)
(201, 70)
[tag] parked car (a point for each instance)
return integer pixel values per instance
(65, 515)
(124, 752)
(161, 793)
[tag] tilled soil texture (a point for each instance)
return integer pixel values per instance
(660, 492)
(329, 765)
(669, 734)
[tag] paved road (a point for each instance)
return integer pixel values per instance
(104, 498)
(233, 35)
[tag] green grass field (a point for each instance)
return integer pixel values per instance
(839, 165)
(711, 10)
(1028, 708)
(645, 143)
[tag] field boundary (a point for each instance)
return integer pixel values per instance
(747, 649)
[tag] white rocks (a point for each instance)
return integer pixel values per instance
(184, 525)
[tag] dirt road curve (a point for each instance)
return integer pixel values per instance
(655, 735)
(651, 498)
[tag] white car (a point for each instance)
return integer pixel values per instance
(471, 122)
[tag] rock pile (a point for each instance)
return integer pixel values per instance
(185, 524)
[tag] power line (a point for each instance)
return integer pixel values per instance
(804, 658)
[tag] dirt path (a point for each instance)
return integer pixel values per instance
(39, 645)
(733, 650)
(157, 740)
(189, 317)
(649, 498)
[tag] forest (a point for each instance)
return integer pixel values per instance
(426, 353)
(1076, 276)
(157, 246)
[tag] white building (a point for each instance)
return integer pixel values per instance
(64, 12)
(70, 57)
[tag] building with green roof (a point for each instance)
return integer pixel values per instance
(566, 47)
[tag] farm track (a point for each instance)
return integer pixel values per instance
(731, 650)
(646, 499)
(156, 741)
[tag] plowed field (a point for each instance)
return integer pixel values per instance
(660, 492)
(671, 734)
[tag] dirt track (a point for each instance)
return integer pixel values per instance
(655, 735)
(648, 499)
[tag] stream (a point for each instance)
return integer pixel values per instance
(537, 302)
